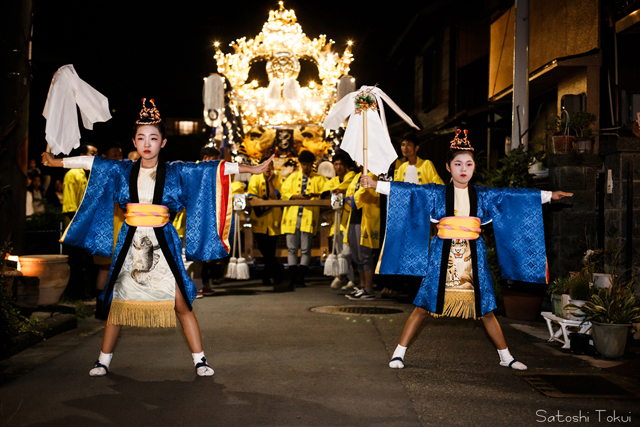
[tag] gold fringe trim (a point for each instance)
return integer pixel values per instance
(145, 314)
(458, 303)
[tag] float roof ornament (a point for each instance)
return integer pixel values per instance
(282, 44)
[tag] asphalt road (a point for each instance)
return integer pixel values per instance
(279, 364)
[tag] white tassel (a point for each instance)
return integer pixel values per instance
(330, 265)
(242, 270)
(342, 265)
(291, 89)
(212, 96)
(232, 268)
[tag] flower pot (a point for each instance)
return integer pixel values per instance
(556, 303)
(562, 144)
(609, 339)
(579, 342)
(584, 145)
(521, 305)
(565, 300)
(601, 280)
(53, 272)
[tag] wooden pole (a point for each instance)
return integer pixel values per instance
(365, 160)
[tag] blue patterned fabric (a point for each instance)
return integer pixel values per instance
(516, 214)
(187, 185)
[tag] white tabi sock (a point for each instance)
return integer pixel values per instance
(506, 359)
(103, 359)
(203, 370)
(398, 354)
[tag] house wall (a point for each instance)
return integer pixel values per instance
(558, 28)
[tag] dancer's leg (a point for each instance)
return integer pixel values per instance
(109, 338)
(191, 331)
(103, 276)
(495, 333)
(494, 330)
(189, 323)
(412, 325)
(410, 330)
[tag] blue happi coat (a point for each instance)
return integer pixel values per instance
(201, 188)
(516, 214)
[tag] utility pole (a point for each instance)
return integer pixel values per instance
(15, 57)
(520, 108)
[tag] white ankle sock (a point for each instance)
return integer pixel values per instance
(202, 371)
(103, 359)
(506, 358)
(398, 364)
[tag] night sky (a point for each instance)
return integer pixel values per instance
(148, 49)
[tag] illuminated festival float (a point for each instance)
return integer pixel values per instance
(285, 116)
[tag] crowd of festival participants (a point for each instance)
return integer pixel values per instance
(145, 221)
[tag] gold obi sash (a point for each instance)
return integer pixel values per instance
(146, 215)
(459, 227)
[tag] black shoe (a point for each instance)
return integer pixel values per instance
(302, 272)
(293, 276)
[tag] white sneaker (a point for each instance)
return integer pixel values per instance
(337, 283)
(349, 285)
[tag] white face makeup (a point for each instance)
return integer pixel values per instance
(462, 168)
(148, 142)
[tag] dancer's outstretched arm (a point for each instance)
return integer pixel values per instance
(258, 169)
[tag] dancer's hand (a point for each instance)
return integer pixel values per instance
(258, 169)
(368, 182)
(49, 160)
(557, 195)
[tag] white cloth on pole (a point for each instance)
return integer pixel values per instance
(66, 91)
(213, 97)
(380, 150)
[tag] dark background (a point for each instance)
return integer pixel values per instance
(132, 50)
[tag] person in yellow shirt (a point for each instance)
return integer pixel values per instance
(415, 170)
(81, 278)
(363, 235)
(301, 223)
(113, 152)
(265, 222)
(339, 185)
(74, 184)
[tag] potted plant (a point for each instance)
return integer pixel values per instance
(579, 293)
(581, 123)
(611, 311)
(560, 136)
(559, 287)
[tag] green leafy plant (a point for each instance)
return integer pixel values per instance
(616, 305)
(580, 286)
(559, 286)
(514, 171)
(581, 123)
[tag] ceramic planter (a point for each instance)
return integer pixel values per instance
(584, 145)
(562, 144)
(601, 280)
(53, 272)
(609, 339)
(556, 303)
(521, 305)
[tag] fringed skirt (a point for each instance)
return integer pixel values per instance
(458, 303)
(144, 292)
